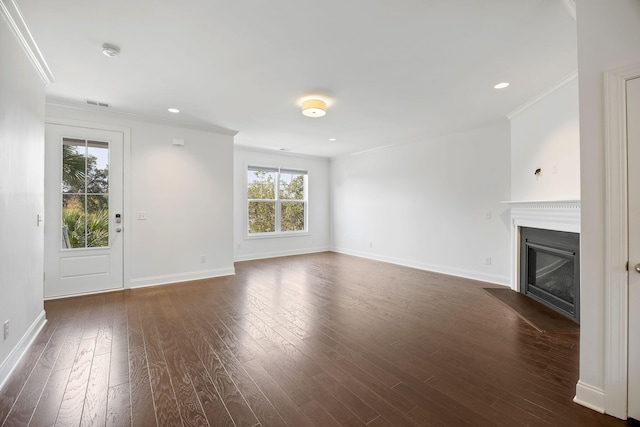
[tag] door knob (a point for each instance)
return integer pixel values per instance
(118, 230)
(637, 268)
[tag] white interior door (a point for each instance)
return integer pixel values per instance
(83, 210)
(633, 141)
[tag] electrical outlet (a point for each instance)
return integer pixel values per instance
(370, 244)
(203, 259)
(6, 329)
(487, 215)
(142, 216)
(487, 260)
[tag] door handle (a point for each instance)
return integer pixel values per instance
(637, 268)
(118, 230)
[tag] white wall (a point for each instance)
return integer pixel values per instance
(425, 204)
(607, 39)
(545, 134)
(21, 198)
(185, 191)
(316, 240)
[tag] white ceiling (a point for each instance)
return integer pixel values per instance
(396, 71)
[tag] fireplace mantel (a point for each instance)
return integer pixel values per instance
(558, 215)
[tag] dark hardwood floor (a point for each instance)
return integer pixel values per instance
(322, 339)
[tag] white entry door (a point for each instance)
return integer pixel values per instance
(83, 210)
(633, 141)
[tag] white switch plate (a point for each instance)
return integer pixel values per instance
(141, 216)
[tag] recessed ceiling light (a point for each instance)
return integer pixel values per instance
(110, 50)
(332, 139)
(173, 110)
(501, 85)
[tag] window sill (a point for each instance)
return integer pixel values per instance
(276, 235)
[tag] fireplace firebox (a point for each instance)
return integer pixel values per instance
(550, 269)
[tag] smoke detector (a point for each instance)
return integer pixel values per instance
(110, 50)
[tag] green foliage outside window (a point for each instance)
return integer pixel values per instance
(264, 203)
(85, 200)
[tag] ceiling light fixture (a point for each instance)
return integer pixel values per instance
(173, 110)
(332, 139)
(501, 85)
(314, 108)
(110, 50)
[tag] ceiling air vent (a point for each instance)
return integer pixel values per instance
(97, 104)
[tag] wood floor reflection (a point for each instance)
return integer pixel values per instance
(322, 339)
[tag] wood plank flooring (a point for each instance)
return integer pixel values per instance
(314, 340)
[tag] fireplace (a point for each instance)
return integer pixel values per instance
(550, 269)
(551, 260)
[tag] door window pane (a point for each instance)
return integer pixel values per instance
(74, 159)
(97, 221)
(97, 167)
(85, 198)
(73, 221)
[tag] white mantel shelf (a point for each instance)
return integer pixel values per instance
(558, 215)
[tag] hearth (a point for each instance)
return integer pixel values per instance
(550, 269)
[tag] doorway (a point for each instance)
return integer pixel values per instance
(622, 328)
(633, 147)
(84, 210)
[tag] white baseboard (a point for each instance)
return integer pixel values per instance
(276, 254)
(590, 396)
(166, 279)
(10, 363)
(467, 274)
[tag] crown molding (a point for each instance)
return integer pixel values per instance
(11, 13)
(274, 151)
(140, 117)
(562, 83)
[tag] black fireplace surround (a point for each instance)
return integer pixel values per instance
(550, 269)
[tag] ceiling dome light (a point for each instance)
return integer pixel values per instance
(173, 110)
(332, 139)
(501, 85)
(314, 108)
(110, 50)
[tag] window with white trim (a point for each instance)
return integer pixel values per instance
(276, 200)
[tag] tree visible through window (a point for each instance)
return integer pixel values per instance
(277, 200)
(85, 194)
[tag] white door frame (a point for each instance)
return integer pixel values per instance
(616, 242)
(126, 199)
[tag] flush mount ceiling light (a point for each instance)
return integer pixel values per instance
(314, 108)
(110, 50)
(173, 110)
(332, 139)
(501, 85)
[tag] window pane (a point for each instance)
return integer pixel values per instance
(292, 216)
(262, 217)
(74, 152)
(73, 221)
(261, 184)
(291, 186)
(97, 167)
(97, 221)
